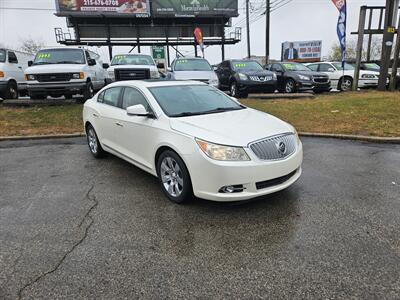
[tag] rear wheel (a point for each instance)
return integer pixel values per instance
(174, 177)
(93, 142)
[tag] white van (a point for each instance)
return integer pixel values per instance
(65, 72)
(12, 80)
(132, 67)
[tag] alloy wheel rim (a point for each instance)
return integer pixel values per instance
(289, 86)
(233, 90)
(346, 85)
(171, 177)
(92, 141)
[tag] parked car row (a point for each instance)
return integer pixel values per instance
(75, 71)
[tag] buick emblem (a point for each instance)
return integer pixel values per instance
(281, 148)
(132, 74)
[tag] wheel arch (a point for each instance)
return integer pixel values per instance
(163, 148)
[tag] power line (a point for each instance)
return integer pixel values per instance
(27, 8)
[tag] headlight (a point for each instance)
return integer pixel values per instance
(242, 76)
(213, 82)
(219, 152)
(154, 74)
(274, 77)
(302, 77)
(30, 77)
(79, 75)
(369, 76)
(111, 74)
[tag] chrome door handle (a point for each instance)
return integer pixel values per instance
(119, 124)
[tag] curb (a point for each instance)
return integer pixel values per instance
(41, 137)
(363, 138)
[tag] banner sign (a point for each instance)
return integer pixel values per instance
(131, 8)
(192, 8)
(341, 26)
(306, 51)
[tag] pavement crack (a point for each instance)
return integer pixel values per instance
(86, 217)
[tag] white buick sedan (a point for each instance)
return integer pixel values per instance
(194, 138)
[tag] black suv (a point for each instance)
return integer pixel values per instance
(242, 77)
(294, 77)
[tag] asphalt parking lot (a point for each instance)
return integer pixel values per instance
(72, 227)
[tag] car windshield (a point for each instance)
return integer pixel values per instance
(2, 55)
(192, 65)
(346, 66)
(132, 59)
(191, 100)
(59, 56)
(243, 65)
(295, 67)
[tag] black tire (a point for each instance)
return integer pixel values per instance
(11, 90)
(88, 92)
(235, 92)
(93, 142)
(290, 86)
(345, 84)
(179, 188)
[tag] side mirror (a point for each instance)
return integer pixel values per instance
(139, 111)
(169, 69)
(160, 66)
(91, 62)
(30, 63)
(106, 66)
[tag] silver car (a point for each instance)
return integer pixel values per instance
(198, 69)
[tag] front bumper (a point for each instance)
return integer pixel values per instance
(209, 176)
(58, 87)
(3, 86)
(311, 85)
(365, 82)
(258, 86)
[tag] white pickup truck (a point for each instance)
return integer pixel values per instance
(132, 67)
(65, 72)
(12, 81)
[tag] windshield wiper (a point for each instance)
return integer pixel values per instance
(212, 111)
(68, 62)
(43, 63)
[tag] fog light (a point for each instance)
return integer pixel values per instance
(229, 189)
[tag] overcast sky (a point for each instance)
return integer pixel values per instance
(297, 21)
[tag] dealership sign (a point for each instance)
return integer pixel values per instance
(138, 8)
(192, 8)
(306, 51)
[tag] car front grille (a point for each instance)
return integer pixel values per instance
(56, 77)
(132, 74)
(275, 148)
(320, 79)
(260, 78)
(274, 182)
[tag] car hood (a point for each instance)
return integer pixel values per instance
(54, 68)
(257, 73)
(132, 67)
(234, 128)
(195, 75)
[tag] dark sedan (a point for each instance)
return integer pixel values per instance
(294, 77)
(242, 77)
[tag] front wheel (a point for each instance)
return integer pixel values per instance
(11, 91)
(93, 142)
(174, 177)
(290, 86)
(345, 84)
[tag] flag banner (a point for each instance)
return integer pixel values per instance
(341, 26)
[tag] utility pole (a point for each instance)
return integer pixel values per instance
(387, 44)
(393, 77)
(267, 30)
(248, 28)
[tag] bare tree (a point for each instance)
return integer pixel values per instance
(31, 45)
(351, 50)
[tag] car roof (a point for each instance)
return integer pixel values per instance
(154, 83)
